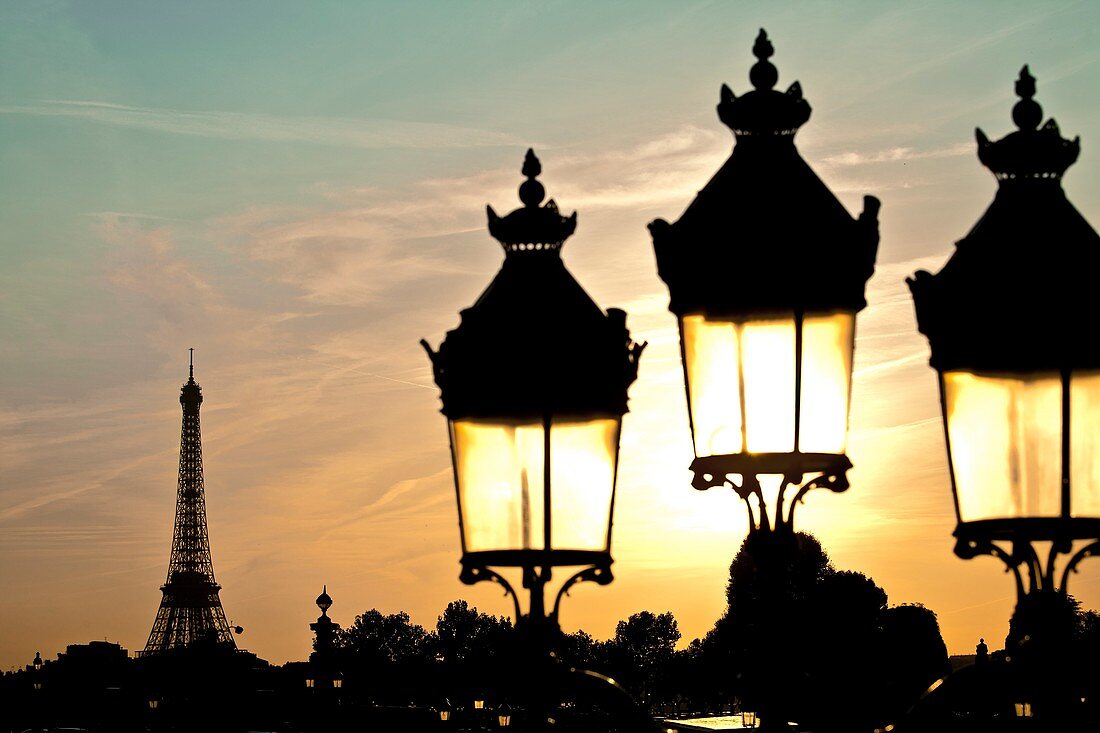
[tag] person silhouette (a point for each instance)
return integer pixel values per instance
(981, 655)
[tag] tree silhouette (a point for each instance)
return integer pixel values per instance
(580, 650)
(465, 635)
(802, 640)
(641, 651)
(913, 656)
(386, 654)
(380, 639)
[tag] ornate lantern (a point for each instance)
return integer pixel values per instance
(534, 386)
(1019, 377)
(766, 272)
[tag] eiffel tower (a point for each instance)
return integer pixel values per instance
(190, 610)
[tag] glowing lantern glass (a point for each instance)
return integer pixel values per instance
(1019, 380)
(534, 384)
(536, 484)
(768, 384)
(1007, 434)
(766, 271)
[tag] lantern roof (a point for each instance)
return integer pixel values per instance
(535, 343)
(766, 234)
(1013, 295)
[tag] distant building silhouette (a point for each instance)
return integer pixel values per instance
(190, 610)
(325, 629)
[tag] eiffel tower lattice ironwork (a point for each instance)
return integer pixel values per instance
(190, 609)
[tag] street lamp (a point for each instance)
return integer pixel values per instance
(534, 387)
(1020, 392)
(766, 272)
(36, 674)
(1019, 377)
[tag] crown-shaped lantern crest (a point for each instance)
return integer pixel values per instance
(764, 111)
(532, 228)
(1031, 152)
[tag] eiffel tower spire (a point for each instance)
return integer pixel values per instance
(190, 610)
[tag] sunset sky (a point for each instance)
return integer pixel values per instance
(298, 190)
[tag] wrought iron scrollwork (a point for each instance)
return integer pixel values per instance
(825, 471)
(1041, 575)
(472, 574)
(968, 549)
(1091, 550)
(600, 574)
(750, 487)
(835, 482)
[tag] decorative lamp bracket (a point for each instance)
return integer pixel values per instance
(827, 471)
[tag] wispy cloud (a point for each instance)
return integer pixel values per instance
(224, 125)
(896, 155)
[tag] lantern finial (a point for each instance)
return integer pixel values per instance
(763, 73)
(531, 192)
(532, 228)
(1030, 152)
(763, 111)
(1027, 114)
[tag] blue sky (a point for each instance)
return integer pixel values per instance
(298, 192)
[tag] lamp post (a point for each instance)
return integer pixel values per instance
(324, 673)
(534, 386)
(36, 684)
(1019, 378)
(766, 272)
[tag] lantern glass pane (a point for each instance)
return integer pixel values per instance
(499, 465)
(711, 365)
(1005, 437)
(499, 468)
(1084, 443)
(721, 355)
(767, 358)
(582, 480)
(827, 345)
